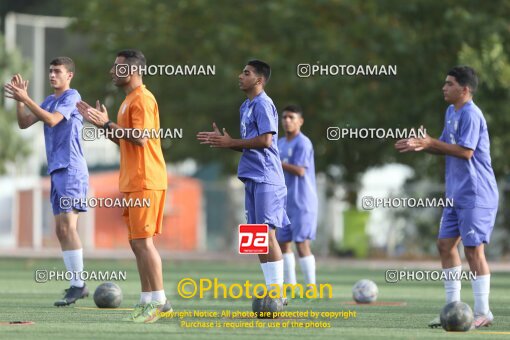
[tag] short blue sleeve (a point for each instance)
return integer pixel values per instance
(469, 130)
(301, 155)
(265, 116)
(67, 104)
(442, 138)
(444, 134)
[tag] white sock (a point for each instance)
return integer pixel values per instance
(452, 287)
(158, 296)
(264, 271)
(289, 268)
(145, 297)
(275, 274)
(481, 289)
(73, 259)
(307, 264)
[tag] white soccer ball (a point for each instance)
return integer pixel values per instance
(365, 291)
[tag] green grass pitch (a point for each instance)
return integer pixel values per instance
(22, 299)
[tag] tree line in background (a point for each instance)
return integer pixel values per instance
(12, 146)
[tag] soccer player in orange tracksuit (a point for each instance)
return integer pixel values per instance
(142, 176)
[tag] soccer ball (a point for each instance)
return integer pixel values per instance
(365, 291)
(457, 317)
(108, 295)
(262, 306)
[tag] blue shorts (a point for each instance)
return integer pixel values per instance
(265, 204)
(473, 225)
(69, 190)
(303, 226)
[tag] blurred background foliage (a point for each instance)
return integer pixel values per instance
(423, 38)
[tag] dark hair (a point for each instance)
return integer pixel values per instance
(465, 76)
(261, 68)
(67, 62)
(133, 57)
(293, 108)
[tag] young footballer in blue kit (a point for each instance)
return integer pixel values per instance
(259, 168)
(470, 182)
(66, 164)
(297, 156)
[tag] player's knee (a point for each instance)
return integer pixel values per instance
(135, 246)
(439, 246)
(303, 249)
(272, 237)
(469, 255)
(63, 231)
(61, 234)
(139, 245)
(300, 246)
(444, 247)
(285, 247)
(473, 253)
